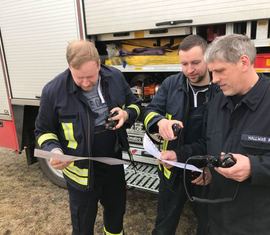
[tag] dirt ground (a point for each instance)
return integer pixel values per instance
(31, 205)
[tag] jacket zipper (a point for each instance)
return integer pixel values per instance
(89, 148)
(195, 94)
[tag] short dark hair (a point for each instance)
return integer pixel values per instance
(192, 41)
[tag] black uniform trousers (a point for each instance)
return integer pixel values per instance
(110, 191)
(171, 200)
(109, 188)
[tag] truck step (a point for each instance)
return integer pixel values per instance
(144, 177)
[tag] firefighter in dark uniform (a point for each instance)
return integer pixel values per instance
(181, 99)
(239, 123)
(73, 119)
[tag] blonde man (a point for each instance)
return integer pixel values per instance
(73, 119)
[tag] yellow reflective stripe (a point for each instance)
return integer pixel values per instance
(76, 170)
(69, 135)
(136, 107)
(76, 174)
(108, 233)
(45, 137)
(77, 179)
(167, 172)
(165, 143)
(168, 116)
(149, 117)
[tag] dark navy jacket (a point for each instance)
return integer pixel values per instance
(66, 121)
(243, 129)
(172, 101)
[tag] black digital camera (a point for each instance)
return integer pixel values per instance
(176, 129)
(110, 124)
(226, 160)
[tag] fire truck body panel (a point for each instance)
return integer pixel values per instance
(35, 35)
(128, 16)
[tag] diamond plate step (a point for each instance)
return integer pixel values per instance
(145, 177)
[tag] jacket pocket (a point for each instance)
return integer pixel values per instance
(214, 140)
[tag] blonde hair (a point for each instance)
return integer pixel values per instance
(81, 51)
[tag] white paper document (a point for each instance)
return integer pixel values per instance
(150, 147)
(63, 157)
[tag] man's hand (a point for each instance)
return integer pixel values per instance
(240, 171)
(204, 178)
(56, 163)
(168, 155)
(165, 128)
(121, 117)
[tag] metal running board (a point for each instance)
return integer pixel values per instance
(145, 177)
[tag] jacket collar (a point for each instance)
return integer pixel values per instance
(104, 72)
(182, 82)
(185, 85)
(71, 86)
(253, 98)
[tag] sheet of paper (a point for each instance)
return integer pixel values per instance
(150, 147)
(63, 157)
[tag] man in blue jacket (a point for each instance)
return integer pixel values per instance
(182, 100)
(238, 123)
(73, 119)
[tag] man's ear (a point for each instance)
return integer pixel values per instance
(245, 62)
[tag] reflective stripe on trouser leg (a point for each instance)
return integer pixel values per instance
(108, 233)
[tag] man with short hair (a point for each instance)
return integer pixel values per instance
(182, 100)
(73, 119)
(238, 123)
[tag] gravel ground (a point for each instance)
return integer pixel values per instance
(31, 205)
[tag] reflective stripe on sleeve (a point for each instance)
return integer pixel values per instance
(136, 107)
(44, 137)
(149, 117)
(69, 135)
